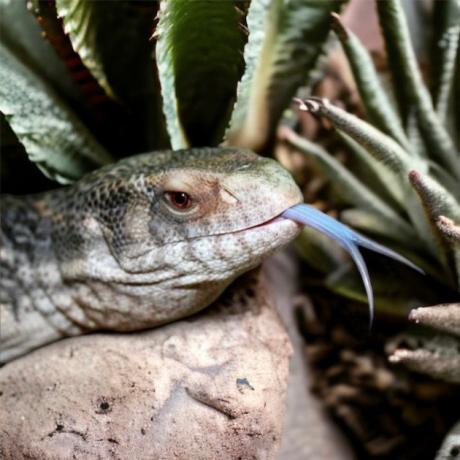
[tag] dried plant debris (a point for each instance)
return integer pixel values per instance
(388, 411)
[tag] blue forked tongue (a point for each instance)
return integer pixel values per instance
(348, 239)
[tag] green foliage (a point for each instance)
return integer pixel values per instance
(286, 38)
(21, 33)
(446, 39)
(51, 134)
(145, 75)
(414, 93)
(354, 192)
(410, 199)
(410, 190)
(199, 54)
(112, 38)
(380, 111)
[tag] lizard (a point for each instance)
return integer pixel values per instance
(136, 244)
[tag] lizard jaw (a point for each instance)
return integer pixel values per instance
(276, 232)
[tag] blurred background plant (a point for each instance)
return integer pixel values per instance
(83, 83)
(394, 177)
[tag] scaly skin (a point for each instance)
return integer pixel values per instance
(111, 252)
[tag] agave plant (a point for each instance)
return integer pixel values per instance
(85, 82)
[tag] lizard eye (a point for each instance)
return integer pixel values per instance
(179, 200)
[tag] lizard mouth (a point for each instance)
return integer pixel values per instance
(267, 223)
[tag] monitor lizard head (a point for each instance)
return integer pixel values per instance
(172, 229)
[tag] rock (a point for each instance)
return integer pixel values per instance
(450, 449)
(309, 433)
(209, 387)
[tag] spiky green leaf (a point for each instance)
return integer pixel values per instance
(374, 174)
(51, 134)
(372, 224)
(20, 32)
(200, 61)
(353, 191)
(446, 39)
(436, 356)
(416, 95)
(451, 233)
(112, 37)
(384, 149)
(444, 317)
(378, 144)
(376, 101)
(437, 202)
(285, 40)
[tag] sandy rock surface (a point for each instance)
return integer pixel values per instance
(209, 387)
(309, 433)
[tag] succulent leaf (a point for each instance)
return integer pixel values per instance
(447, 73)
(353, 191)
(200, 61)
(438, 202)
(384, 149)
(110, 37)
(285, 41)
(441, 176)
(381, 146)
(446, 39)
(53, 137)
(438, 357)
(449, 229)
(415, 136)
(374, 174)
(435, 197)
(451, 233)
(445, 317)
(378, 106)
(22, 35)
(405, 68)
(373, 224)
